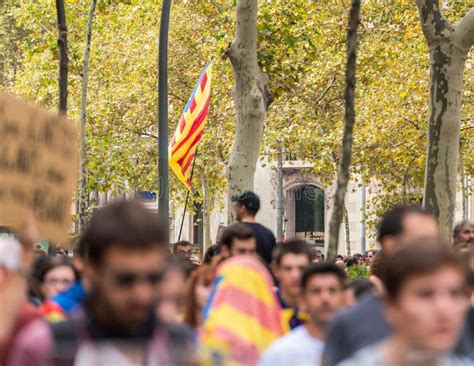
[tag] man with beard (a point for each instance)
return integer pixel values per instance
(322, 296)
(117, 324)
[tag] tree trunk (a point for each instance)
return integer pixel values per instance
(462, 177)
(252, 97)
(449, 45)
(349, 121)
(63, 59)
(347, 231)
(83, 192)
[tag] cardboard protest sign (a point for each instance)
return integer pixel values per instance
(38, 168)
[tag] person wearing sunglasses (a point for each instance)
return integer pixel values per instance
(117, 324)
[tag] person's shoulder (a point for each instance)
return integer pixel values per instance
(262, 229)
(277, 351)
(285, 348)
(33, 344)
(289, 340)
(367, 305)
(368, 356)
(368, 308)
(37, 330)
(453, 360)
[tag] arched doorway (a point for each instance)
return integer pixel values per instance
(305, 210)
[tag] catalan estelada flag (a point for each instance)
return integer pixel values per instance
(242, 316)
(189, 131)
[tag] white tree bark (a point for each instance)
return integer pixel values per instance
(83, 192)
(449, 45)
(252, 97)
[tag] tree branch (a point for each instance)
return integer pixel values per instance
(466, 128)
(323, 94)
(177, 97)
(140, 133)
(218, 8)
(464, 30)
(433, 23)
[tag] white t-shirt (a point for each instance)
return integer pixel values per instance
(296, 348)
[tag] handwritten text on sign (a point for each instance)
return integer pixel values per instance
(38, 167)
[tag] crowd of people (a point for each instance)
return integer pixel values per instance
(127, 297)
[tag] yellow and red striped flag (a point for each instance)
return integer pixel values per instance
(242, 316)
(190, 127)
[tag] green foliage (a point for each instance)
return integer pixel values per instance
(357, 271)
(301, 48)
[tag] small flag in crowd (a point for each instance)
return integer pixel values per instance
(189, 131)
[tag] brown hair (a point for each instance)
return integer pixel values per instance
(127, 224)
(415, 258)
(291, 247)
(203, 274)
(239, 231)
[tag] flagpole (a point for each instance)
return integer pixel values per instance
(163, 188)
(187, 195)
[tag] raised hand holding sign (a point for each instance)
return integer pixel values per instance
(38, 168)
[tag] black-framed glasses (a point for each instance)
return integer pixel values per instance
(129, 279)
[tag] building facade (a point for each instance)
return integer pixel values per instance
(306, 209)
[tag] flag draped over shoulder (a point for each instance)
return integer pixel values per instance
(242, 316)
(182, 148)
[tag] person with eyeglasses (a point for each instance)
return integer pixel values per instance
(51, 275)
(117, 324)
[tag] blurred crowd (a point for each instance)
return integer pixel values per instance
(125, 296)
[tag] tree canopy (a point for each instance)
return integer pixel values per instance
(301, 47)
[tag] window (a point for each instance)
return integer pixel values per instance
(309, 209)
